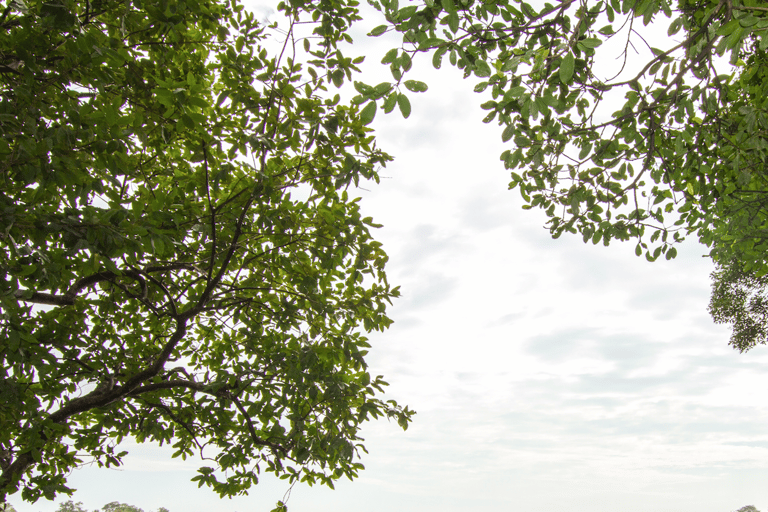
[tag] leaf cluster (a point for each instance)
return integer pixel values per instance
(654, 151)
(656, 168)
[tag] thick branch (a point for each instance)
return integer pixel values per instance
(68, 299)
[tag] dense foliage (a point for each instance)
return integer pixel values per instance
(181, 259)
(740, 299)
(649, 150)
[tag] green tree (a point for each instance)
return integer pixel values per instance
(657, 150)
(181, 259)
(741, 300)
(71, 506)
(120, 507)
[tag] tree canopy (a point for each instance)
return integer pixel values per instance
(646, 150)
(182, 261)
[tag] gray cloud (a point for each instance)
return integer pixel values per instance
(429, 290)
(560, 345)
(423, 242)
(480, 214)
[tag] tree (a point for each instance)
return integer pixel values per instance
(119, 507)
(741, 299)
(181, 259)
(71, 506)
(684, 151)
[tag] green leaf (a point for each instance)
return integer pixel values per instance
(606, 30)
(404, 104)
(585, 150)
(508, 132)
(591, 42)
(406, 12)
(337, 77)
(453, 21)
(437, 58)
(405, 61)
(671, 253)
(378, 30)
(368, 113)
(389, 103)
(27, 270)
(382, 89)
(482, 69)
(415, 86)
(390, 56)
(481, 86)
(675, 26)
(566, 68)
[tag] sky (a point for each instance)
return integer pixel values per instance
(547, 374)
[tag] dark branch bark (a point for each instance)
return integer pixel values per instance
(68, 298)
(254, 436)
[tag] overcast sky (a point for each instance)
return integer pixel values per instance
(547, 374)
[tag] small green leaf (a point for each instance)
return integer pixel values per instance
(368, 113)
(404, 104)
(389, 103)
(481, 86)
(482, 69)
(363, 88)
(566, 68)
(188, 121)
(27, 270)
(508, 132)
(406, 12)
(405, 61)
(337, 77)
(606, 30)
(382, 89)
(437, 58)
(522, 141)
(378, 30)
(585, 149)
(415, 86)
(675, 26)
(453, 22)
(591, 42)
(390, 56)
